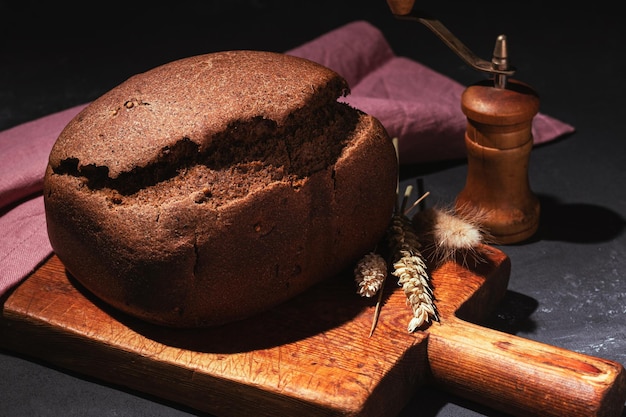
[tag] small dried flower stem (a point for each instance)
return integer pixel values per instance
(379, 304)
(416, 203)
(405, 199)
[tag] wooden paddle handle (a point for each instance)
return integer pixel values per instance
(523, 377)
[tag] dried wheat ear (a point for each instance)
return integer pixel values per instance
(444, 235)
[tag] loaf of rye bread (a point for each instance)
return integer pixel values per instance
(215, 187)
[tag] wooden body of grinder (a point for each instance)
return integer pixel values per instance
(499, 141)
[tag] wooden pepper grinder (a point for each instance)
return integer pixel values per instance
(499, 141)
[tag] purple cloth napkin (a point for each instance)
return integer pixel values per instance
(24, 152)
(419, 106)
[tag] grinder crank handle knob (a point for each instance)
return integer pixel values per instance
(400, 7)
(523, 377)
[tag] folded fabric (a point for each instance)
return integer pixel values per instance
(415, 104)
(24, 152)
(24, 241)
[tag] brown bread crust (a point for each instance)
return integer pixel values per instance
(215, 187)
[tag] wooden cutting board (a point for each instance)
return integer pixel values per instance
(312, 356)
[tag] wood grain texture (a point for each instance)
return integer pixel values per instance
(312, 356)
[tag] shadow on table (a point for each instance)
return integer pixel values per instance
(577, 222)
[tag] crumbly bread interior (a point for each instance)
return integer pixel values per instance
(246, 157)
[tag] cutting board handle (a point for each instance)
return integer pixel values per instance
(523, 377)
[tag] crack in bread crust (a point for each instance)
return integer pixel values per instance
(248, 155)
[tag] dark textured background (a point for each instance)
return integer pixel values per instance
(568, 284)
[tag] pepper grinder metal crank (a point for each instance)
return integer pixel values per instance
(498, 138)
